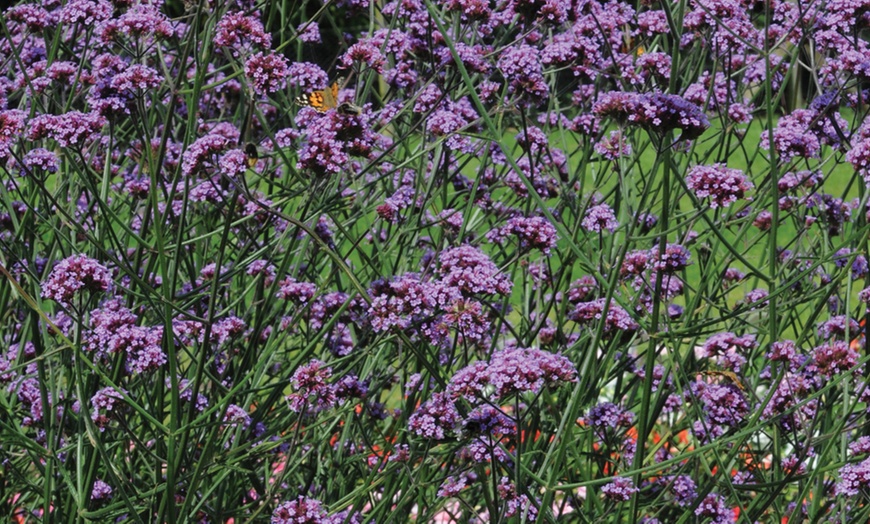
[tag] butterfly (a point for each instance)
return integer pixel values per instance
(730, 376)
(858, 342)
(321, 100)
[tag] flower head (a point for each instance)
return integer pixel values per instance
(74, 274)
(722, 185)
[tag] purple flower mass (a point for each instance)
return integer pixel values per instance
(656, 112)
(721, 185)
(306, 510)
(459, 261)
(512, 371)
(104, 402)
(74, 274)
(69, 129)
(600, 218)
(620, 490)
(532, 232)
(266, 72)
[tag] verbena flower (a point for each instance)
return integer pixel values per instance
(516, 505)
(714, 507)
(311, 388)
(143, 345)
(609, 416)
(682, 489)
(306, 76)
(85, 12)
(723, 403)
(454, 485)
(521, 67)
(73, 275)
(69, 129)
(200, 155)
(620, 489)
(854, 478)
(512, 371)
(656, 112)
(833, 358)
(600, 218)
(40, 159)
(532, 232)
(136, 78)
(104, 403)
(266, 72)
(471, 271)
(143, 20)
(309, 32)
(617, 320)
(101, 491)
(238, 31)
(436, 418)
(613, 146)
(721, 185)
(305, 510)
(675, 258)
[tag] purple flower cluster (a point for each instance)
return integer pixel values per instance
(729, 350)
(616, 319)
(472, 272)
(713, 507)
(237, 31)
(40, 159)
(297, 292)
(266, 72)
(656, 112)
(509, 372)
(802, 133)
(68, 130)
(517, 505)
(143, 345)
(101, 491)
(609, 416)
(73, 275)
(532, 232)
(600, 218)
(312, 391)
(436, 418)
(305, 510)
(202, 153)
(613, 146)
(402, 302)
(105, 403)
(723, 404)
(523, 71)
(621, 489)
(332, 139)
(854, 478)
(833, 358)
(722, 185)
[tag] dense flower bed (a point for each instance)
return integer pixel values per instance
(460, 261)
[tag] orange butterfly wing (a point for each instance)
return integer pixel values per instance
(858, 341)
(321, 100)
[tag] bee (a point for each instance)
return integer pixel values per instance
(251, 154)
(349, 109)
